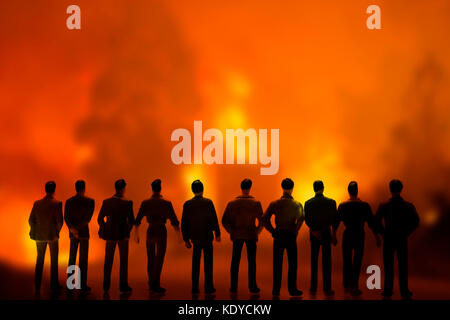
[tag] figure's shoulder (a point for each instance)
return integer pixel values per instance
(332, 201)
(90, 200)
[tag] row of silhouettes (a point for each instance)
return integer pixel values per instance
(243, 219)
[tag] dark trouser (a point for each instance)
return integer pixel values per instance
(281, 242)
(109, 259)
(41, 248)
(389, 249)
(236, 259)
(82, 259)
(208, 265)
(156, 250)
(353, 250)
(326, 262)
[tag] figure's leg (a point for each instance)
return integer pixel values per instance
(110, 248)
(54, 251)
(196, 256)
(315, 248)
(41, 247)
(251, 258)
(161, 247)
(278, 251)
(123, 252)
(208, 265)
(326, 265)
(235, 261)
(83, 261)
(388, 259)
(292, 262)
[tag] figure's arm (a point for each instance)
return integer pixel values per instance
(59, 218)
(185, 226)
(131, 219)
(259, 217)
(378, 221)
(371, 221)
(101, 216)
(266, 218)
(32, 217)
(414, 220)
(226, 219)
(173, 218)
(140, 215)
(334, 224)
(300, 216)
(215, 222)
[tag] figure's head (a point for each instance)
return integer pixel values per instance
(50, 187)
(246, 185)
(156, 186)
(287, 185)
(197, 187)
(353, 189)
(80, 186)
(396, 187)
(120, 186)
(318, 186)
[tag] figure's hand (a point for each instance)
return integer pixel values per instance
(74, 232)
(218, 239)
(188, 244)
(378, 240)
(334, 240)
(317, 235)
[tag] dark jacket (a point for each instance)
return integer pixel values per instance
(320, 215)
(199, 221)
(239, 218)
(397, 218)
(157, 210)
(354, 214)
(288, 213)
(78, 212)
(46, 219)
(119, 218)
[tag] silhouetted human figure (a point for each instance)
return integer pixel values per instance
(320, 215)
(118, 213)
(157, 210)
(397, 219)
(199, 224)
(46, 220)
(78, 212)
(289, 218)
(239, 219)
(354, 213)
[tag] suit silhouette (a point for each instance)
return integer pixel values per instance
(118, 213)
(289, 217)
(199, 224)
(320, 215)
(78, 212)
(354, 213)
(397, 219)
(157, 210)
(239, 220)
(46, 220)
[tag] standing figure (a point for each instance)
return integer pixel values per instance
(118, 213)
(46, 220)
(320, 215)
(354, 213)
(78, 212)
(289, 218)
(397, 219)
(239, 219)
(199, 224)
(157, 210)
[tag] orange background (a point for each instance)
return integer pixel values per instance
(100, 104)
